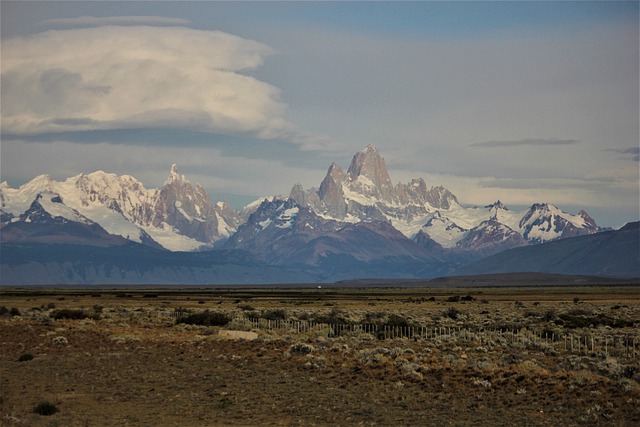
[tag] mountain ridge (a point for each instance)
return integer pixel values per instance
(356, 223)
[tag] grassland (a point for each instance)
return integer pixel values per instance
(123, 356)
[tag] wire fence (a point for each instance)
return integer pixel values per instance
(622, 344)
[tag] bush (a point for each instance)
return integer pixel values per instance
(205, 318)
(25, 357)
(279, 314)
(300, 349)
(455, 298)
(3, 310)
(14, 311)
(549, 316)
(45, 408)
(451, 313)
(335, 316)
(395, 320)
(68, 313)
(572, 321)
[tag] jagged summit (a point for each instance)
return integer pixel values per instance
(497, 205)
(369, 172)
(174, 175)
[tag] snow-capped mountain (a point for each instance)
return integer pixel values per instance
(365, 193)
(177, 217)
(281, 232)
(182, 217)
(105, 228)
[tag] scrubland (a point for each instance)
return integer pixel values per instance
(483, 356)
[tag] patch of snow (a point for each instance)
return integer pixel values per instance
(112, 221)
(170, 239)
(288, 217)
(60, 210)
(224, 229)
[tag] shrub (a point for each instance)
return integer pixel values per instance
(451, 313)
(375, 318)
(395, 320)
(68, 313)
(25, 357)
(14, 311)
(300, 349)
(246, 307)
(3, 310)
(467, 298)
(335, 316)
(45, 408)
(205, 318)
(583, 321)
(454, 298)
(549, 316)
(278, 314)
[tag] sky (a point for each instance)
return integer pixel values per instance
(524, 102)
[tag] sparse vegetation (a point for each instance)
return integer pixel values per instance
(415, 358)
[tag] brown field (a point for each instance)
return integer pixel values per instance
(499, 356)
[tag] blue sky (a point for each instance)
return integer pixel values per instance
(519, 101)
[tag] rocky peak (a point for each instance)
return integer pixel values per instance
(497, 205)
(174, 175)
(590, 222)
(298, 195)
(331, 193)
(369, 165)
(441, 198)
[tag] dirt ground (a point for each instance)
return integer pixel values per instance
(132, 365)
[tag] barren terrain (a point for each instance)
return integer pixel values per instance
(481, 356)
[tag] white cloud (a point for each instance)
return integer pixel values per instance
(140, 76)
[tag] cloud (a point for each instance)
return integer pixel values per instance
(217, 172)
(93, 21)
(632, 153)
(526, 142)
(142, 77)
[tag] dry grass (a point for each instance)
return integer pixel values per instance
(133, 365)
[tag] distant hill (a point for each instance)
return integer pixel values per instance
(610, 253)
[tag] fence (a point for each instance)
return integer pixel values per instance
(610, 343)
(624, 344)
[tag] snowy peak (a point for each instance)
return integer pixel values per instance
(48, 208)
(491, 237)
(544, 222)
(179, 216)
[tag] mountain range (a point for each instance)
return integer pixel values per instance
(355, 224)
